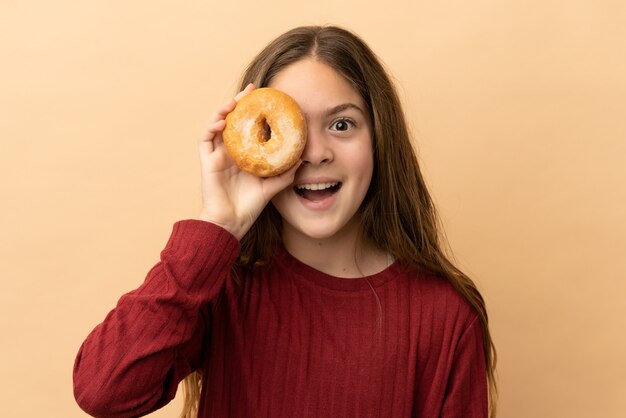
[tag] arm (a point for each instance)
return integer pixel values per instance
(132, 363)
(467, 391)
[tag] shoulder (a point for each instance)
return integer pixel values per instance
(436, 298)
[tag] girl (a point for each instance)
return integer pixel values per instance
(322, 292)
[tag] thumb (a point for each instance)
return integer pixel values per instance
(274, 185)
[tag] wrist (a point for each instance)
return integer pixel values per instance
(237, 232)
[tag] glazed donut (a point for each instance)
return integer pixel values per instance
(266, 133)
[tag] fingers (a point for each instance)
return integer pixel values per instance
(210, 133)
(245, 91)
(217, 121)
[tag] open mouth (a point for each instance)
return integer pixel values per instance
(317, 191)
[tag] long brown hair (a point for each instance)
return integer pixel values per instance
(398, 213)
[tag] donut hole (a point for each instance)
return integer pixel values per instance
(262, 131)
(267, 130)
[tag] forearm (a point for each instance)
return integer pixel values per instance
(132, 362)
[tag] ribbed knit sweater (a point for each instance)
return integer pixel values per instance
(284, 340)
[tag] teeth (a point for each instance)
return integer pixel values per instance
(316, 186)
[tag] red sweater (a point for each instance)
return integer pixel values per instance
(287, 341)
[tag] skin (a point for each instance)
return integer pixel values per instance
(323, 232)
(232, 198)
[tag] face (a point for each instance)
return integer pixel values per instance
(337, 162)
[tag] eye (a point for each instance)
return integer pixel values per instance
(342, 125)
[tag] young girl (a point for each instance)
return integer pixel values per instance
(322, 292)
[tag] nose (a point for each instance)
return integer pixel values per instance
(317, 150)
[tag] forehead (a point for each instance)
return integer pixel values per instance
(315, 86)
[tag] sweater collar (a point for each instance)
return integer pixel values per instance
(284, 260)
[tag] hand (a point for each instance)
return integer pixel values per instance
(231, 197)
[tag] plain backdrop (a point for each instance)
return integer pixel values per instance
(518, 109)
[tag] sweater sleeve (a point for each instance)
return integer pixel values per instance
(467, 390)
(132, 362)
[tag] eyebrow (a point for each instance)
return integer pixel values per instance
(342, 107)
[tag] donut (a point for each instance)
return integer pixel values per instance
(265, 133)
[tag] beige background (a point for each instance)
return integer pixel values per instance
(518, 108)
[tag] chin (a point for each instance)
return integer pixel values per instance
(317, 233)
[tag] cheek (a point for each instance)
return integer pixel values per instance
(363, 163)
(365, 167)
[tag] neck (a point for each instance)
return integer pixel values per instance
(345, 254)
